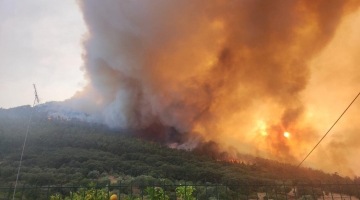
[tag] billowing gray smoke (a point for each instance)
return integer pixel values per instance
(229, 71)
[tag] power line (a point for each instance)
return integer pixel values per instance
(328, 131)
(36, 100)
(324, 135)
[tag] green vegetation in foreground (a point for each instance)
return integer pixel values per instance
(149, 193)
(74, 152)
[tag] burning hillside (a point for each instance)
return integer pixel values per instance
(234, 72)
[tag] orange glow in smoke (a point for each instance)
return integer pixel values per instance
(251, 76)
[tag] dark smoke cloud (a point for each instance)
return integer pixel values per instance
(185, 72)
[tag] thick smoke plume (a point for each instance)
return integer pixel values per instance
(192, 72)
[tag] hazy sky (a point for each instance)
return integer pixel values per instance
(40, 42)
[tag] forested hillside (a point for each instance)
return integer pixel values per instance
(62, 151)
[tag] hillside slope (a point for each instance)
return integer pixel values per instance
(62, 151)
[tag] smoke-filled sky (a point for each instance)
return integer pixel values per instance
(237, 73)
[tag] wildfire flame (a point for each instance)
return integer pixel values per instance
(286, 134)
(229, 161)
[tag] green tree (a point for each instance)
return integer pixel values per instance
(185, 192)
(156, 193)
